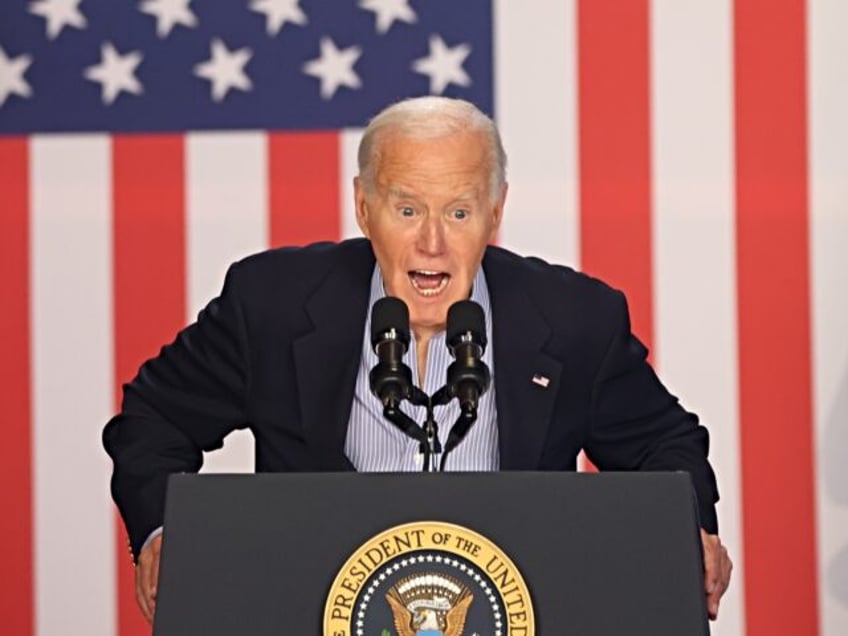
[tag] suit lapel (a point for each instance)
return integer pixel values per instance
(327, 358)
(526, 378)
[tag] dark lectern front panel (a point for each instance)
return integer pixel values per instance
(602, 554)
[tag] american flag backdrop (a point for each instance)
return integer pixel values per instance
(691, 152)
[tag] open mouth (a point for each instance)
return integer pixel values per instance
(427, 282)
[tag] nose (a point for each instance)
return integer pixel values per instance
(431, 237)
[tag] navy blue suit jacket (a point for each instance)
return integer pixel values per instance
(278, 352)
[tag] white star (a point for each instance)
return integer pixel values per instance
(168, 14)
(12, 76)
(443, 65)
(115, 73)
(334, 68)
(387, 11)
(59, 14)
(225, 69)
(278, 12)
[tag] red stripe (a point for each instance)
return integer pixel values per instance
(614, 147)
(303, 178)
(774, 318)
(16, 599)
(149, 284)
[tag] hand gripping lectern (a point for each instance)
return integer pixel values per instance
(454, 554)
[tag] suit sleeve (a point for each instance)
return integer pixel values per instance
(181, 403)
(638, 425)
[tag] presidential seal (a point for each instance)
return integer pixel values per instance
(429, 579)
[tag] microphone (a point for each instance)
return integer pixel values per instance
(468, 375)
(390, 379)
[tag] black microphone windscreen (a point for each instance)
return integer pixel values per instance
(389, 313)
(466, 316)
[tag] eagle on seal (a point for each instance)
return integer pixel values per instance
(430, 619)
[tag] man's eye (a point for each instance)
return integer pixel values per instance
(407, 211)
(460, 214)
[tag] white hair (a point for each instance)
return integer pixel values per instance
(431, 117)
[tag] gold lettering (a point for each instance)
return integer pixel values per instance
(490, 568)
(386, 547)
(338, 612)
(518, 601)
(403, 542)
(419, 534)
(368, 569)
(343, 602)
(468, 546)
(517, 617)
(502, 579)
(375, 556)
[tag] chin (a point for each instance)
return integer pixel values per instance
(431, 317)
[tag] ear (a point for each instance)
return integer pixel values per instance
(497, 212)
(361, 206)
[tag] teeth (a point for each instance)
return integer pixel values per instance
(430, 292)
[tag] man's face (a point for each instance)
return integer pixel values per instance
(429, 219)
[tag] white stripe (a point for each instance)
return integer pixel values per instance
(694, 245)
(73, 388)
(348, 144)
(536, 111)
(828, 91)
(227, 219)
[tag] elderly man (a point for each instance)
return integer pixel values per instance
(285, 348)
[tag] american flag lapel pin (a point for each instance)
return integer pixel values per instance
(541, 380)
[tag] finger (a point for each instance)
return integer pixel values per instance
(726, 571)
(713, 601)
(712, 572)
(141, 584)
(712, 564)
(154, 577)
(725, 567)
(150, 559)
(729, 566)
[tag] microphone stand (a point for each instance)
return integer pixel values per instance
(431, 429)
(430, 446)
(458, 432)
(408, 426)
(428, 435)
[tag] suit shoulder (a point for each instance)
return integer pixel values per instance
(554, 284)
(320, 255)
(583, 312)
(298, 266)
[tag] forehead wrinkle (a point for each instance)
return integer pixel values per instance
(467, 196)
(409, 168)
(400, 193)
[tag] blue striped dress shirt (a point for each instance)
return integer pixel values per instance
(374, 444)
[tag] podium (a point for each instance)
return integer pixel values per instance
(457, 554)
